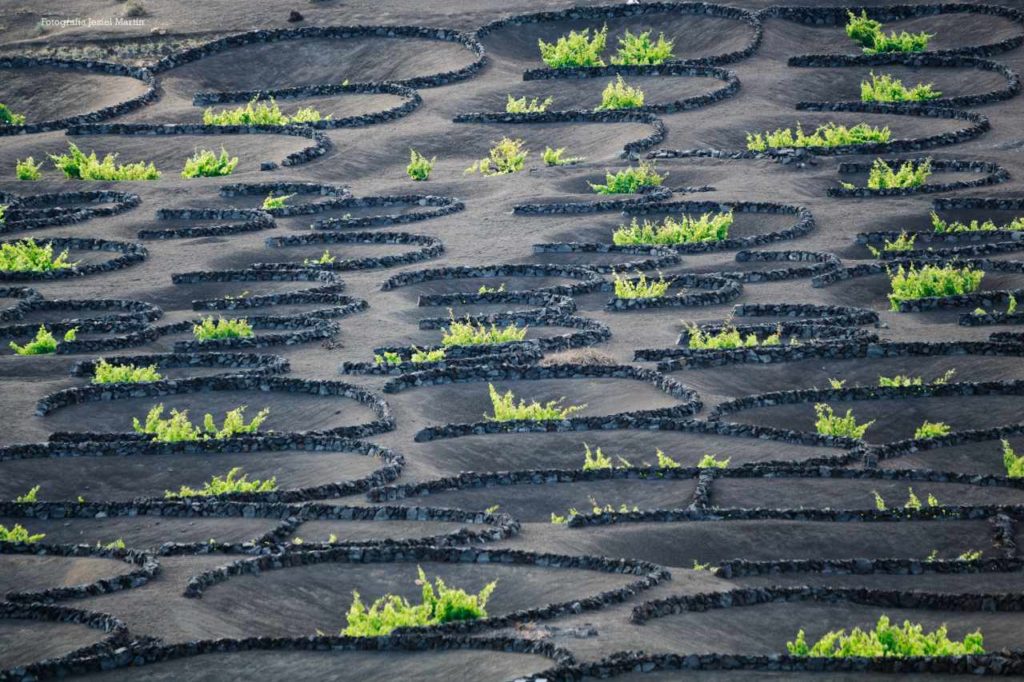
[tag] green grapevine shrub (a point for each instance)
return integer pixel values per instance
(78, 165)
(272, 202)
(553, 157)
(868, 33)
(904, 380)
(18, 533)
(908, 175)
(388, 359)
(830, 424)
(28, 169)
(106, 373)
(506, 156)
(9, 118)
(436, 355)
(506, 409)
(325, 259)
(709, 227)
(257, 113)
(932, 430)
(469, 334)
(885, 88)
(828, 135)
(484, 289)
(666, 462)
(178, 428)
(942, 227)
(27, 256)
(618, 95)
(3, 213)
(116, 544)
(889, 641)
(971, 555)
(524, 106)
(640, 49)
(629, 180)
(419, 166)
(43, 343)
(640, 287)
(222, 328)
(861, 29)
(728, 338)
(30, 497)
(575, 49)
(904, 242)
(205, 163)
(931, 280)
(1013, 463)
(234, 482)
(594, 460)
(712, 462)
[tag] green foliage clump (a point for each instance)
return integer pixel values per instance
(470, 334)
(106, 373)
(31, 496)
(506, 409)
(828, 423)
(728, 338)
(904, 242)
(525, 106)
(641, 49)
(709, 461)
(116, 544)
(205, 163)
(419, 166)
(575, 49)
(43, 343)
(28, 169)
(78, 165)
(27, 256)
(709, 227)
(325, 259)
(506, 156)
(931, 280)
(913, 501)
(3, 213)
(828, 135)
(909, 174)
(18, 533)
(942, 227)
(885, 88)
(440, 604)
(553, 157)
(391, 358)
(178, 428)
(595, 459)
(868, 33)
(932, 430)
(222, 328)
(9, 118)
(484, 289)
(618, 95)
(1013, 463)
(271, 202)
(905, 380)
(640, 287)
(257, 113)
(888, 641)
(234, 482)
(629, 180)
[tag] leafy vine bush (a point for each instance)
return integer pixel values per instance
(9, 118)
(596, 459)
(886, 88)
(325, 259)
(272, 202)
(106, 373)
(470, 334)
(888, 641)
(222, 328)
(30, 497)
(913, 501)
(257, 113)
(640, 287)
(575, 49)
(505, 157)
(828, 423)
(932, 430)
(18, 533)
(868, 33)
(709, 227)
(391, 358)
(728, 338)
(43, 343)
(78, 165)
(419, 166)
(630, 180)
(595, 509)
(506, 409)
(3, 212)
(439, 604)
(942, 227)
(27, 256)
(178, 428)
(618, 95)
(904, 242)
(827, 135)
(908, 175)
(234, 482)
(913, 283)
(205, 163)
(712, 462)
(484, 289)
(28, 169)
(904, 380)
(553, 157)
(641, 49)
(1012, 462)
(524, 106)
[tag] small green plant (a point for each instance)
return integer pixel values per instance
(388, 358)
(259, 113)
(942, 227)
(9, 118)
(828, 423)
(629, 180)
(828, 135)
(18, 533)
(484, 289)
(553, 157)
(640, 287)
(837, 383)
(210, 329)
(932, 430)
(575, 49)
(271, 202)
(178, 428)
(666, 462)
(1013, 463)
(913, 501)
(618, 95)
(869, 35)
(106, 373)
(205, 163)
(470, 334)
(28, 169)
(885, 88)
(879, 501)
(78, 165)
(909, 174)
(709, 461)
(116, 544)
(728, 338)
(709, 227)
(436, 355)
(506, 409)
(641, 49)
(915, 283)
(595, 459)
(439, 604)
(493, 509)
(27, 256)
(970, 555)
(505, 157)
(30, 497)
(3, 213)
(697, 566)
(234, 482)
(43, 343)
(525, 106)
(1011, 305)
(932, 556)
(419, 166)
(905, 380)
(325, 259)
(903, 242)
(887, 641)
